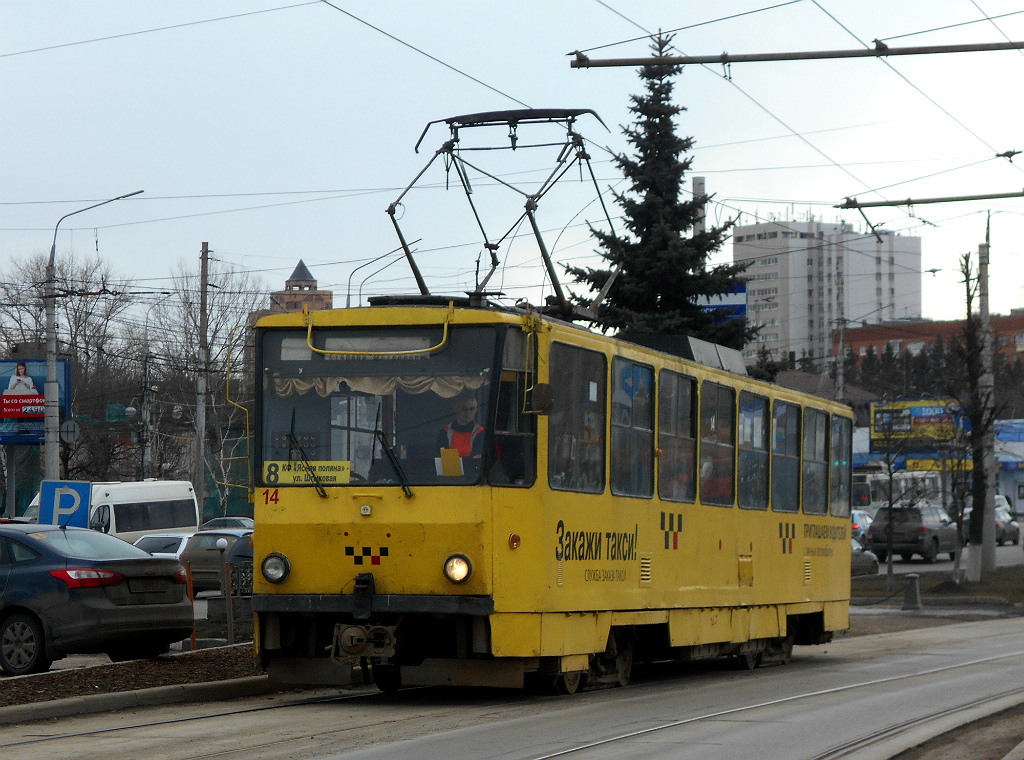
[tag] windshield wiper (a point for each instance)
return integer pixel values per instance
(293, 441)
(378, 434)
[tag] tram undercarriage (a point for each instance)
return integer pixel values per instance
(456, 650)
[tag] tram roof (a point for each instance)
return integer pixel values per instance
(430, 310)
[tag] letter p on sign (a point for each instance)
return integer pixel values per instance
(65, 502)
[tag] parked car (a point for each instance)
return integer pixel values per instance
(862, 562)
(74, 591)
(204, 557)
(1007, 528)
(240, 559)
(861, 520)
(924, 529)
(166, 545)
(229, 522)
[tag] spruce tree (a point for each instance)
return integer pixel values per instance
(665, 274)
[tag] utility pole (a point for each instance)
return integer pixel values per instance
(204, 360)
(986, 384)
(144, 404)
(698, 192)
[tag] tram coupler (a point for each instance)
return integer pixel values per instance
(354, 642)
(365, 588)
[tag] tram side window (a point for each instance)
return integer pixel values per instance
(815, 473)
(839, 496)
(786, 458)
(717, 444)
(677, 437)
(632, 429)
(752, 489)
(576, 423)
(515, 431)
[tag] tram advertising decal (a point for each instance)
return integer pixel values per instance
(361, 554)
(287, 473)
(826, 533)
(672, 524)
(787, 532)
(587, 545)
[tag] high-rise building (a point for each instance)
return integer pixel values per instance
(806, 278)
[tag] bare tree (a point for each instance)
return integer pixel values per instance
(232, 297)
(90, 305)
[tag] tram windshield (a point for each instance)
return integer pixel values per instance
(386, 406)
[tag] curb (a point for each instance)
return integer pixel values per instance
(946, 602)
(159, 695)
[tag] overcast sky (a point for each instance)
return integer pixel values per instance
(280, 131)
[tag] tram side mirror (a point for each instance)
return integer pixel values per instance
(540, 399)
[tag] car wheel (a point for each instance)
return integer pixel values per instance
(881, 555)
(932, 552)
(952, 556)
(22, 645)
(906, 557)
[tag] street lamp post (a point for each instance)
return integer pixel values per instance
(51, 410)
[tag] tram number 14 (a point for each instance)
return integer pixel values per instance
(270, 496)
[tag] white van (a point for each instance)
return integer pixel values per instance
(132, 510)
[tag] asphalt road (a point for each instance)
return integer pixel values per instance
(834, 697)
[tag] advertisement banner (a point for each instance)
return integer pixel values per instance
(914, 424)
(22, 404)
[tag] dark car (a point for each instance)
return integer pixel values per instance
(862, 562)
(204, 558)
(924, 529)
(1007, 528)
(228, 522)
(240, 559)
(72, 591)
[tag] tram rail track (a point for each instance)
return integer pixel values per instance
(835, 753)
(845, 750)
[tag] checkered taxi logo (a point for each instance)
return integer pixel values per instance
(360, 554)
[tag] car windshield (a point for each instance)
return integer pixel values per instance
(379, 400)
(88, 544)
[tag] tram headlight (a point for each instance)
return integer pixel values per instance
(276, 567)
(458, 568)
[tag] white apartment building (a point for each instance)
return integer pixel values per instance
(806, 277)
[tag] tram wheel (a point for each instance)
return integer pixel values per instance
(569, 683)
(623, 659)
(387, 677)
(748, 661)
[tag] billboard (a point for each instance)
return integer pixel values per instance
(730, 304)
(914, 424)
(22, 401)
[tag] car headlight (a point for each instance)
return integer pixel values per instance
(458, 568)
(275, 567)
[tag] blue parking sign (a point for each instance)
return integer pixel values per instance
(64, 502)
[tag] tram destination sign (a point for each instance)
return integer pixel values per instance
(288, 473)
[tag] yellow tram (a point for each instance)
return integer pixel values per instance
(459, 494)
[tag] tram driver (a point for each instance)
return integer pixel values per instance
(464, 437)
